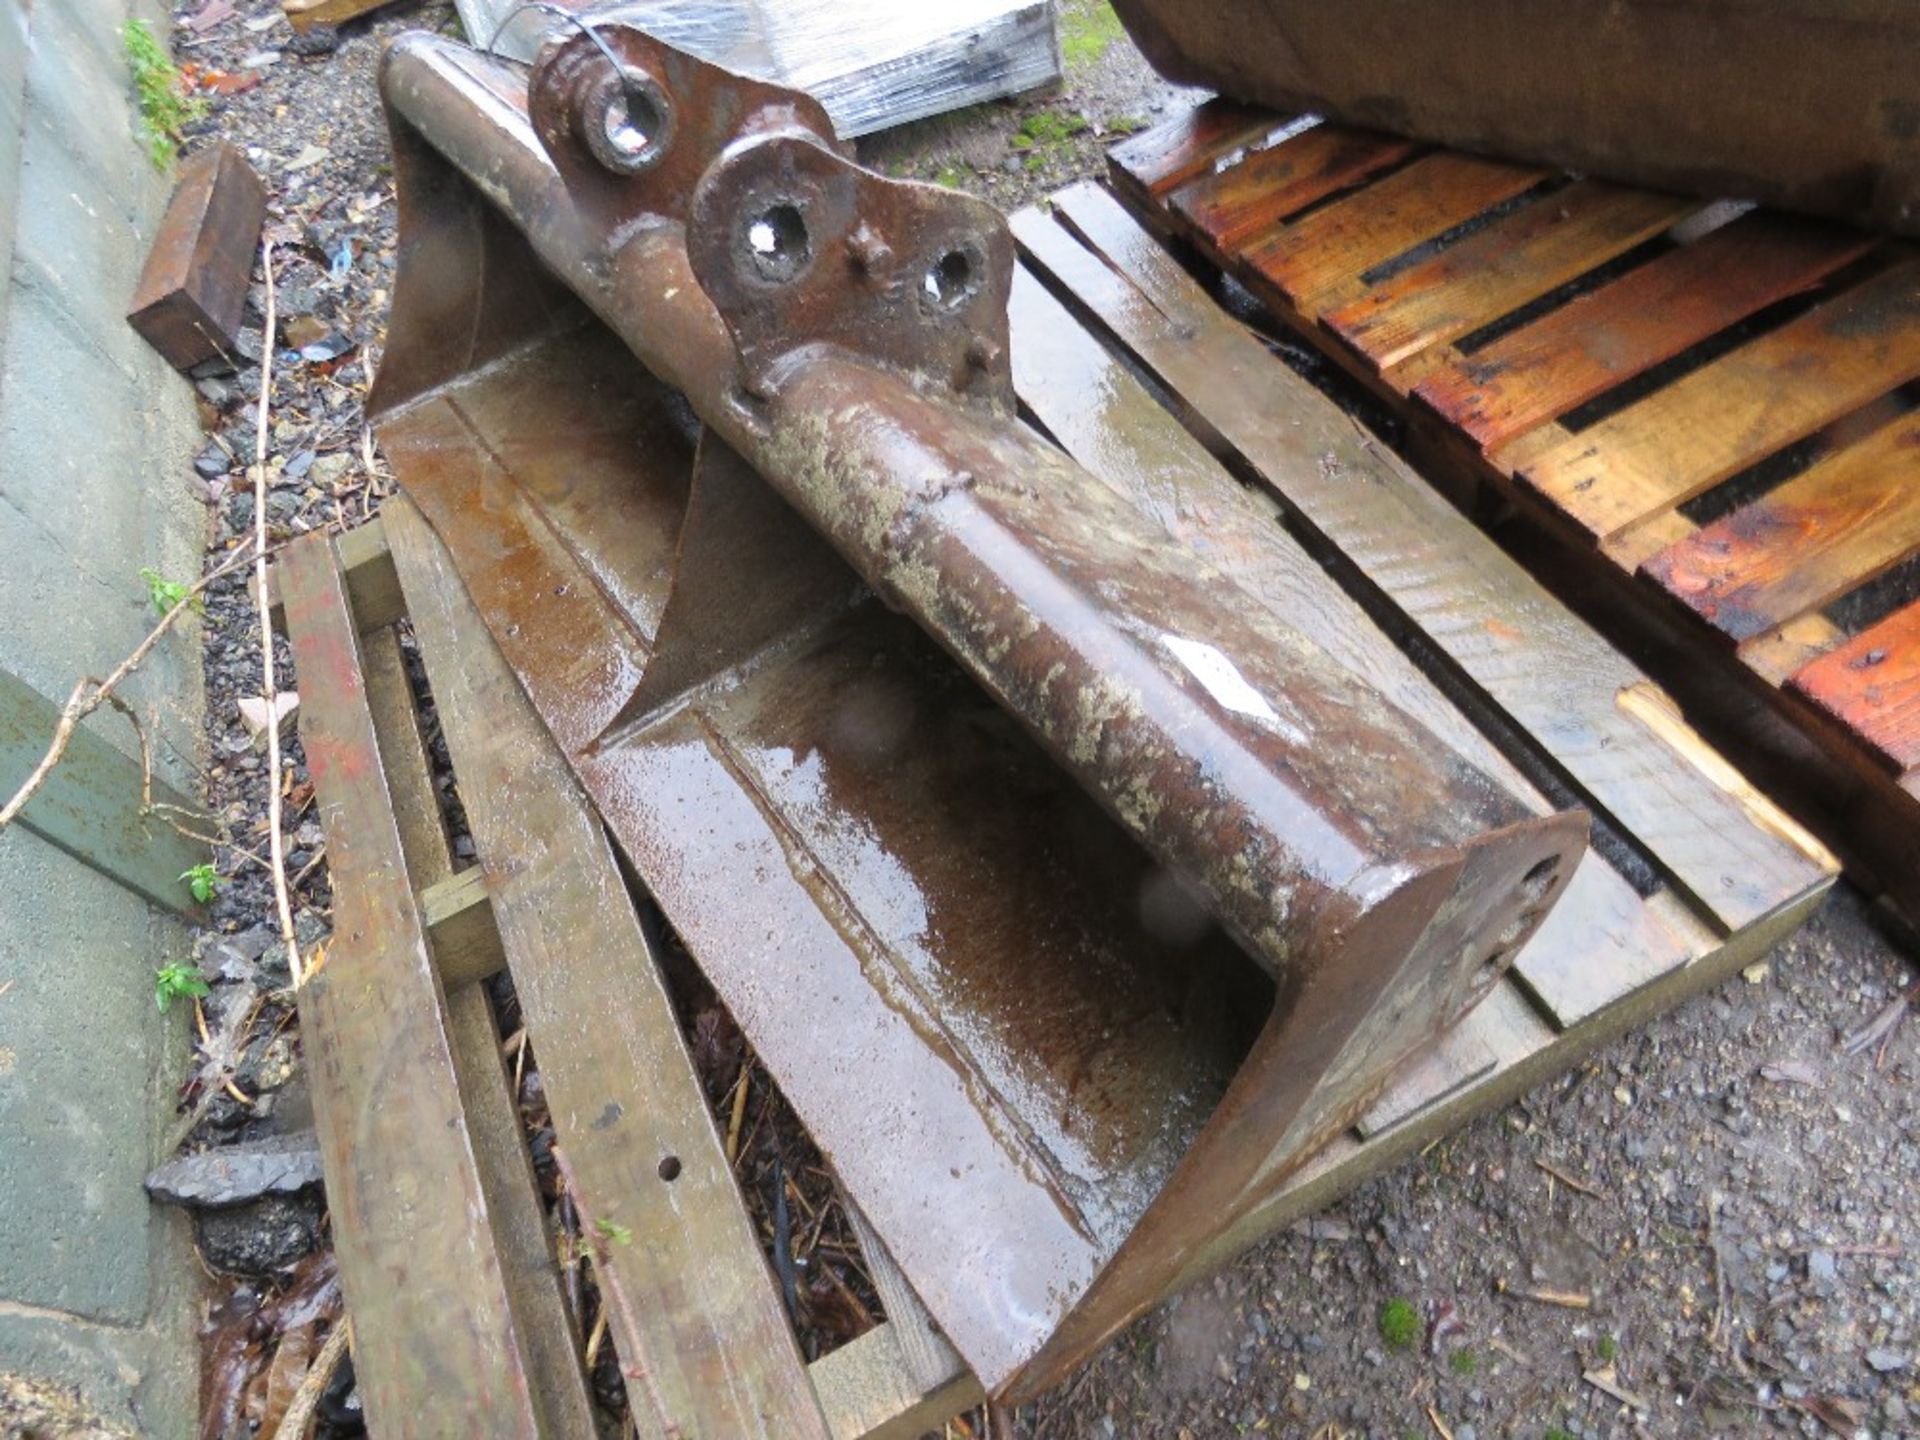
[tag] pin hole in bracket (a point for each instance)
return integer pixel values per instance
(775, 245)
(626, 120)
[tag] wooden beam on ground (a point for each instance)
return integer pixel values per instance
(193, 288)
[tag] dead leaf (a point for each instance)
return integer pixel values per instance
(290, 1361)
(310, 155)
(1790, 1072)
(209, 15)
(256, 714)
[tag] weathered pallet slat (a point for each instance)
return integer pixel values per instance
(1242, 203)
(1738, 409)
(1872, 685)
(1708, 372)
(627, 1107)
(1336, 244)
(548, 1334)
(1515, 260)
(1822, 534)
(419, 1257)
(1552, 676)
(1632, 323)
(1191, 144)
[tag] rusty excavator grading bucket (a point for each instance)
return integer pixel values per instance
(1072, 897)
(1808, 104)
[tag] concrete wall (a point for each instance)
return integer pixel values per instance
(96, 1287)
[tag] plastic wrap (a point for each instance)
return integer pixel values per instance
(871, 63)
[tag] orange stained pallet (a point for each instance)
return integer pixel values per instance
(1872, 685)
(1699, 417)
(1816, 537)
(1626, 327)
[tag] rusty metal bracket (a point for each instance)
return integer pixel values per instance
(794, 243)
(798, 246)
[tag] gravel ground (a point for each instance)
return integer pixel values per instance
(1733, 1196)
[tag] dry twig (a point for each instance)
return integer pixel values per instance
(90, 694)
(270, 688)
(298, 1420)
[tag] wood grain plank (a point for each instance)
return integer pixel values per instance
(1190, 144)
(411, 1221)
(549, 1332)
(1872, 686)
(1331, 246)
(1627, 326)
(1529, 658)
(869, 1395)
(694, 1312)
(1721, 418)
(1242, 202)
(1826, 532)
(1516, 259)
(1599, 943)
(464, 940)
(929, 1360)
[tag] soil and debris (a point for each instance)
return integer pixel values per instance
(1709, 1229)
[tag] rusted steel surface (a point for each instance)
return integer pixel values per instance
(1069, 895)
(1808, 104)
(194, 285)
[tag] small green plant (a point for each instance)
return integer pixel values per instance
(202, 881)
(164, 594)
(952, 175)
(1399, 1324)
(1608, 1348)
(167, 106)
(1464, 1361)
(177, 980)
(1554, 1432)
(613, 1232)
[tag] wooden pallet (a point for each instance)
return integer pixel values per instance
(448, 1268)
(1697, 876)
(1704, 420)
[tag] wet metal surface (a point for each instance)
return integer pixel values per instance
(1072, 898)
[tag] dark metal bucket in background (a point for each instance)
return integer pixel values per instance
(1807, 104)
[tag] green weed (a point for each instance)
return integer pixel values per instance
(167, 107)
(614, 1232)
(202, 881)
(1399, 1324)
(1608, 1348)
(164, 594)
(1464, 1361)
(177, 980)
